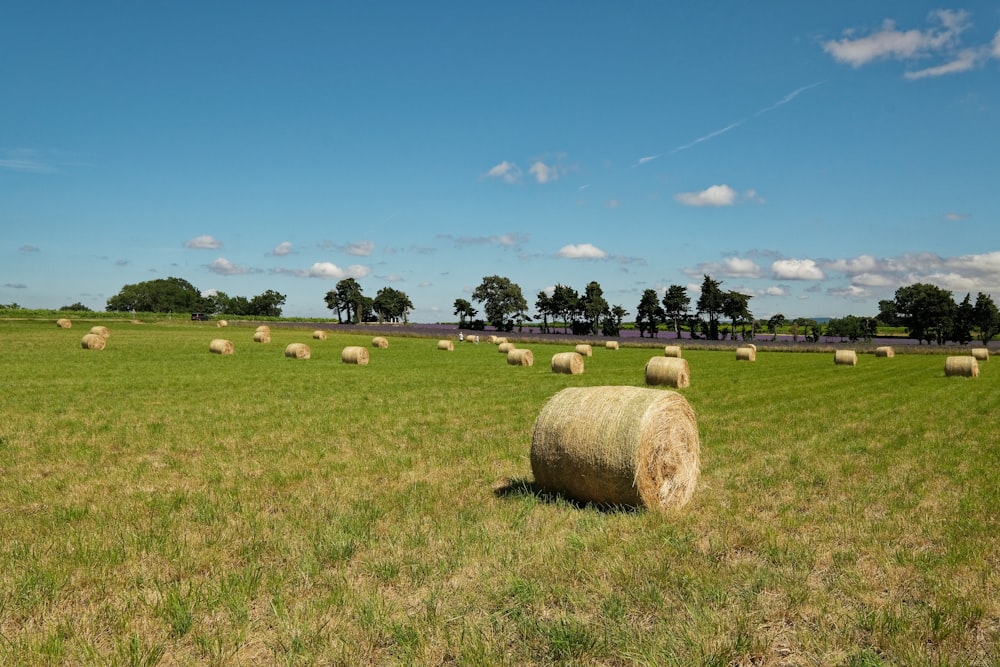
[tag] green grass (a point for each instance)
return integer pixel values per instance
(164, 505)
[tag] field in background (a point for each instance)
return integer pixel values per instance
(164, 505)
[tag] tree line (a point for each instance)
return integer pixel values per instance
(176, 295)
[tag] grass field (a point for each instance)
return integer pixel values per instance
(164, 505)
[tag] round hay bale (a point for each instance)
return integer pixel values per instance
(221, 346)
(967, 367)
(584, 350)
(103, 332)
(610, 345)
(319, 334)
(263, 329)
(499, 340)
(751, 345)
(261, 337)
(222, 323)
(92, 341)
(380, 343)
(569, 363)
(492, 340)
(672, 351)
(355, 354)
(446, 345)
(520, 358)
(845, 358)
(980, 354)
(670, 371)
(885, 351)
(619, 446)
(63, 323)
(297, 351)
(505, 347)
(746, 353)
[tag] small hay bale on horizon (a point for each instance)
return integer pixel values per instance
(845, 358)
(380, 342)
(491, 339)
(618, 446)
(584, 350)
(262, 337)
(92, 341)
(670, 371)
(263, 328)
(101, 331)
(446, 345)
(980, 354)
(885, 352)
(222, 323)
(520, 358)
(569, 363)
(298, 351)
(499, 340)
(355, 354)
(319, 334)
(965, 366)
(505, 347)
(672, 351)
(610, 345)
(63, 323)
(221, 346)
(746, 353)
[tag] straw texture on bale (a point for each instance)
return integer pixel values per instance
(967, 367)
(380, 343)
(222, 323)
(885, 351)
(103, 332)
(261, 337)
(319, 334)
(746, 353)
(355, 354)
(505, 347)
(446, 345)
(980, 354)
(492, 340)
(94, 342)
(584, 350)
(569, 363)
(520, 358)
(620, 446)
(221, 346)
(499, 340)
(297, 351)
(263, 329)
(63, 323)
(672, 351)
(610, 345)
(845, 358)
(670, 371)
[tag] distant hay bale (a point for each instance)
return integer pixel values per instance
(569, 363)
(319, 334)
(746, 353)
(222, 323)
(261, 337)
(672, 351)
(610, 345)
(221, 346)
(380, 343)
(103, 332)
(492, 340)
(93, 341)
(446, 345)
(505, 347)
(584, 350)
(885, 351)
(670, 371)
(967, 366)
(499, 340)
(751, 345)
(520, 358)
(355, 354)
(63, 323)
(980, 354)
(845, 358)
(297, 351)
(263, 329)
(618, 446)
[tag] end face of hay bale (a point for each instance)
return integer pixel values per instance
(584, 350)
(446, 345)
(569, 363)
(319, 334)
(845, 358)
(668, 371)
(355, 354)
(961, 367)
(103, 332)
(297, 351)
(505, 347)
(746, 353)
(980, 354)
(885, 351)
(672, 351)
(63, 323)
(261, 337)
(520, 358)
(610, 345)
(380, 343)
(221, 346)
(92, 341)
(627, 446)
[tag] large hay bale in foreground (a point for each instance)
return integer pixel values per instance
(584, 350)
(446, 345)
(980, 354)
(103, 332)
(63, 323)
(298, 351)
(261, 337)
(669, 371)
(93, 341)
(746, 353)
(380, 343)
(569, 363)
(619, 446)
(966, 366)
(355, 354)
(520, 358)
(505, 347)
(885, 351)
(319, 334)
(221, 346)
(672, 351)
(845, 358)
(610, 345)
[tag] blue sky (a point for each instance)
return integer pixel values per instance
(816, 156)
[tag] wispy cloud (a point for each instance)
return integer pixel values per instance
(224, 267)
(788, 98)
(582, 251)
(710, 135)
(25, 160)
(328, 271)
(509, 240)
(282, 249)
(205, 242)
(15, 285)
(29, 248)
(508, 172)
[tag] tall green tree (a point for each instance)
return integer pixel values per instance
(502, 301)
(963, 322)
(347, 297)
(736, 307)
(392, 305)
(927, 311)
(267, 304)
(613, 322)
(711, 303)
(987, 317)
(675, 306)
(593, 306)
(464, 309)
(163, 295)
(565, 302)
(649, 314)
(774, 323)
(543, 304)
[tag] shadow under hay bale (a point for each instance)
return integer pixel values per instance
(569, 363)
(885, 351)
(355, 354)
(93, 341)
(668, 371)
(520, 358)
(298, 351)
(221, 346)
(961, 367)
(626, 446)
(845, 358)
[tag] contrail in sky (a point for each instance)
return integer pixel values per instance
(788, 98)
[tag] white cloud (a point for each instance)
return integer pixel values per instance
(543, 173)
(996, 45)
(797, 269)
(740, 267)
(965, 61)
(776, 290)
(582, 251)
(205, 242)
(850, 292)
(900, 45)
(716, 195)
(224, 267)
(507, 171)
(330, 271)
(360, 249)
(872, 280)
(282, 249)
(859, 264)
